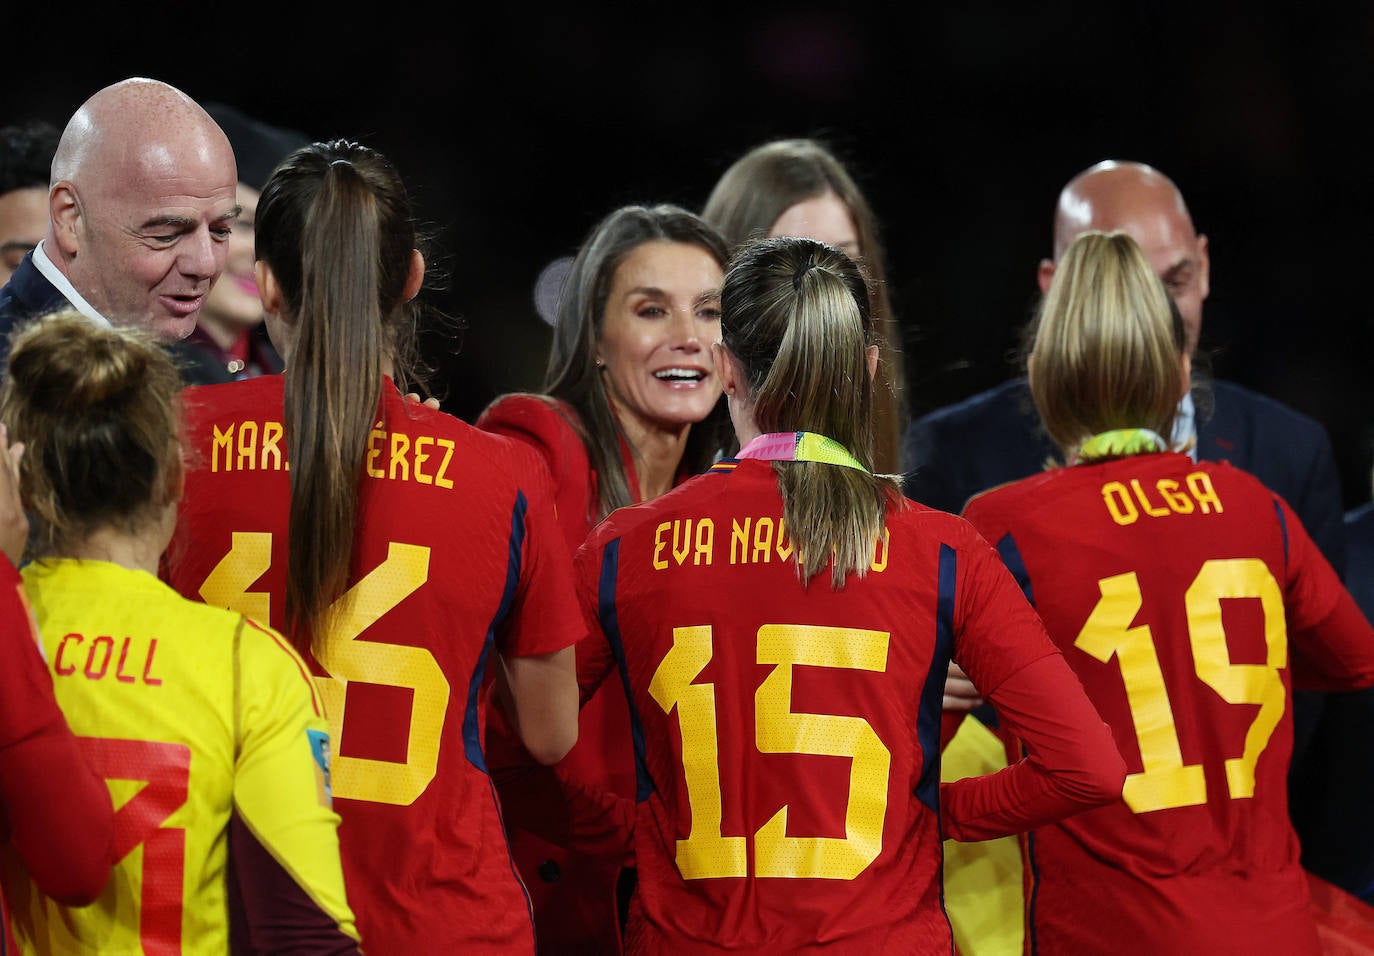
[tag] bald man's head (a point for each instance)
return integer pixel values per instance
(1147, 206)
(142, 202)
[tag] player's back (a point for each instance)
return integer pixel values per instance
(1172, 588)
(788, 802)
(178, 706)
(447, 548)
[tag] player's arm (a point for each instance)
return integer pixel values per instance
(284, 835)
(564, 809)
(1331, 642)
(1072, 762)
(539, 693)
(537, 680)
(58, 811)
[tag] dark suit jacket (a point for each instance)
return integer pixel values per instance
(995, 437)
(27, 294)
(1359, 557)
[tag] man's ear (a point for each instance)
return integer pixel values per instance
(1045, 275)
(268, 290)
(727, 370)
(871, 357)
(64, 217)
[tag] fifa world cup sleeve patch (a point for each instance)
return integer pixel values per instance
(319, 749)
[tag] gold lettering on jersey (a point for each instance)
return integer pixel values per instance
(1200, 484)
(100, 654)
(880, 552)
(753, 540)
(248, 446)
(684, 538)
(1126, 503)
(396, 456)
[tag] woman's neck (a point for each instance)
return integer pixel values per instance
(657, 454)
(139, 551)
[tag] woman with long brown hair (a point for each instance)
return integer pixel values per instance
(411, 557)
(630, 408)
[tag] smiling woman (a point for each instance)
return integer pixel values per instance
(631, 407)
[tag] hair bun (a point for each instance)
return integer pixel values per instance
(71, 363)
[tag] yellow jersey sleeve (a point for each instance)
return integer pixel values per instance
(284, 838)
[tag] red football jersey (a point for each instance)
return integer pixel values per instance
(456, 555)
(572, 885)
(56, 820)
(787, 735)
(1178, 592)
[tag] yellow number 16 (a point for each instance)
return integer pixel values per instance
(348, 658)
(707, 853)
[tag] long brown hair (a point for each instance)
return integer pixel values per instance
(334, 224)
(97, 409)
(794, 312)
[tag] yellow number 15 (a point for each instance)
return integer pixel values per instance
(707, 853)
(1166, 781)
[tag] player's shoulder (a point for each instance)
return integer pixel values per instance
(267, 646)
(1013, 496)
(697, 497)
(1233, 479)
(260, 396)
(527, 410)
(911, 520)
(505, 456)
(549, 425)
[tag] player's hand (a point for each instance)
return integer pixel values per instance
(14, 523)
(428, 403)
(960, 694)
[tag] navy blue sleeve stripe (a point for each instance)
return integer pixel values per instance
(1283, 527)
(610, 626)
(933, 693)
(1011, 557)
(472, 737)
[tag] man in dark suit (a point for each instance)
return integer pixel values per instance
(140, 208)
(995, 437)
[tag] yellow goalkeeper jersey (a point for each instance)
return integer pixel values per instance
(213, 742)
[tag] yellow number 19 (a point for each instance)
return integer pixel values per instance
(1165, 781)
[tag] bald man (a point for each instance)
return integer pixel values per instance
(140, 207)
(995, 437)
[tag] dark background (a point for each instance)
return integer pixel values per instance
(518, 127)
